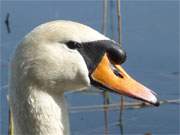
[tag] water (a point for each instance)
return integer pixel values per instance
(150, 38)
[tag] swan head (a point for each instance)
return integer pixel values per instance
(62, 56)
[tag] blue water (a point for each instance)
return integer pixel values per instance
(151, 39)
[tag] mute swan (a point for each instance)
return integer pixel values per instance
(62, 56)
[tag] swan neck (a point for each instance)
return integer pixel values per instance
(40, 113)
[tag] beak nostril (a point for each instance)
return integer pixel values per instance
(116, 71)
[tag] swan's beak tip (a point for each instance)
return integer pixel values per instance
(157, 104)
(154, 101)
(150, 97)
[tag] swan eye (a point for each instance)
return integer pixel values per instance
(73, 45)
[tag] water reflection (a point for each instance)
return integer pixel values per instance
(106, 128)
(106, 102)
(103, 119)
(121, 115)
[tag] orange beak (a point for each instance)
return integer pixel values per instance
(121, 83)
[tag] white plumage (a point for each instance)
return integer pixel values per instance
(42, 69)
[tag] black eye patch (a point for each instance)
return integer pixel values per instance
(93, 52)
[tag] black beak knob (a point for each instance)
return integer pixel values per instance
(116, 54)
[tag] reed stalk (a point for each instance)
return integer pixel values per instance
(105, 93)
(118, 10)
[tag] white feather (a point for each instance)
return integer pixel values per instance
(42, 69)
